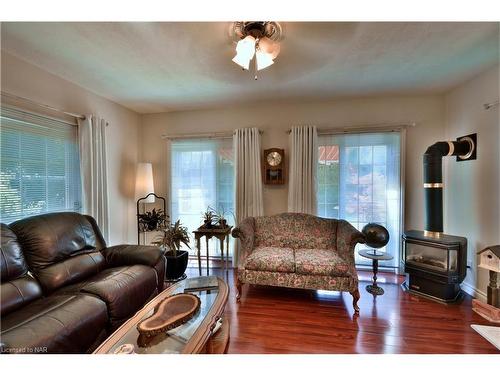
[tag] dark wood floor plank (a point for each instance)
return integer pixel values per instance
(281, 320)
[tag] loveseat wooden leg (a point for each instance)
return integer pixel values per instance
(238, 288)
(355, 298)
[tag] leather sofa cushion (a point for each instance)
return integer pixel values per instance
(124, 289)
(56, 324)
(272, 259)
(60, 248)
(320, 262)
(17, 293)
(70, 271)
(12, 262)
(51, 238)
(124, 255)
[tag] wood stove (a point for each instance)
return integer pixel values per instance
(436, 263)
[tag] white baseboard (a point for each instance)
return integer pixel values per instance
(473, 291)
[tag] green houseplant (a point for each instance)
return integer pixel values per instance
(208, 218)
(174, 235)
(153, 220)
(220, 219)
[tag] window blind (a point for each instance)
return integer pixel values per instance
(39, 166)
(202, 175)
(359, 181)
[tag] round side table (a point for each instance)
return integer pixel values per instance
(375, 257)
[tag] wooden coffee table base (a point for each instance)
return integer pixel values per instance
(218, 343)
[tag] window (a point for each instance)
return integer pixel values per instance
(359, 181)
(202, 175)
(39, 166)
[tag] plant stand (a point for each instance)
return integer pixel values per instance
(222, 234)
(137, 217)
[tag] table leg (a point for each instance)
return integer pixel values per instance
(206, 238)
(227, 256)
(221, 240)
(198, 246)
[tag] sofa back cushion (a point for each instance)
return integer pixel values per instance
(296, 231)
(18, 287)
(60, 248)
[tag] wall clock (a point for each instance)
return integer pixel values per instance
(274, 166)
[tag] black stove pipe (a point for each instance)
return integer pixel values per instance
(433, 181)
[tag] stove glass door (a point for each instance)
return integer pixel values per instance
(434, 258)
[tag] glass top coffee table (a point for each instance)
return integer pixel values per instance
(191, 337)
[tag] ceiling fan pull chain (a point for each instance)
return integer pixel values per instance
(255, 69)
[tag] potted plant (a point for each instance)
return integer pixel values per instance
(208, 217)
(220, 219)
(152, 220)
(173, 237)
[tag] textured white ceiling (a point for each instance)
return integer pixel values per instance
(156, 67)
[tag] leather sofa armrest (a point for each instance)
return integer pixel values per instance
(245, 232)
(347, 238)
(124, 255)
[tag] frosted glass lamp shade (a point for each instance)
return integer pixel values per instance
(245, 50)
(246, 47)
(144, 183)
(269, 46)
(242, 61)
(263, 60)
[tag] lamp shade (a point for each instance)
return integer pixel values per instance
(263, 60)
(144, 183)
(242, 61)
(246, 47)
(269, 46)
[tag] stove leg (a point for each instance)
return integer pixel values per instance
(355, 298)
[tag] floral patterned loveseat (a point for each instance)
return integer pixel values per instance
(298, 251)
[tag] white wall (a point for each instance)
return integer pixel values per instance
(276, 118)
(21, 78)
(472, 188)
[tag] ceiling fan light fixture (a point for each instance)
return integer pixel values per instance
(259, 39)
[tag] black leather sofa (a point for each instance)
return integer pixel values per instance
(63, 290)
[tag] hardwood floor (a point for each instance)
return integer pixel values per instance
(280, 320)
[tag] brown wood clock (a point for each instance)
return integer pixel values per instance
(274, 166)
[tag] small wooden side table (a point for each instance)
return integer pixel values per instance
(222, 234)
(375, 257)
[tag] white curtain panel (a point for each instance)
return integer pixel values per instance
(303, 170)
(249, 201)
(93, 169)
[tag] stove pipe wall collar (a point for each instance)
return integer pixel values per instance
(464, 148)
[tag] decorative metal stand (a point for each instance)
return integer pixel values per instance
(375, 257)
(138, 202)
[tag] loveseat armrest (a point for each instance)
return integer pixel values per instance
(245, 232)
(125, 255)
(347, 238)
